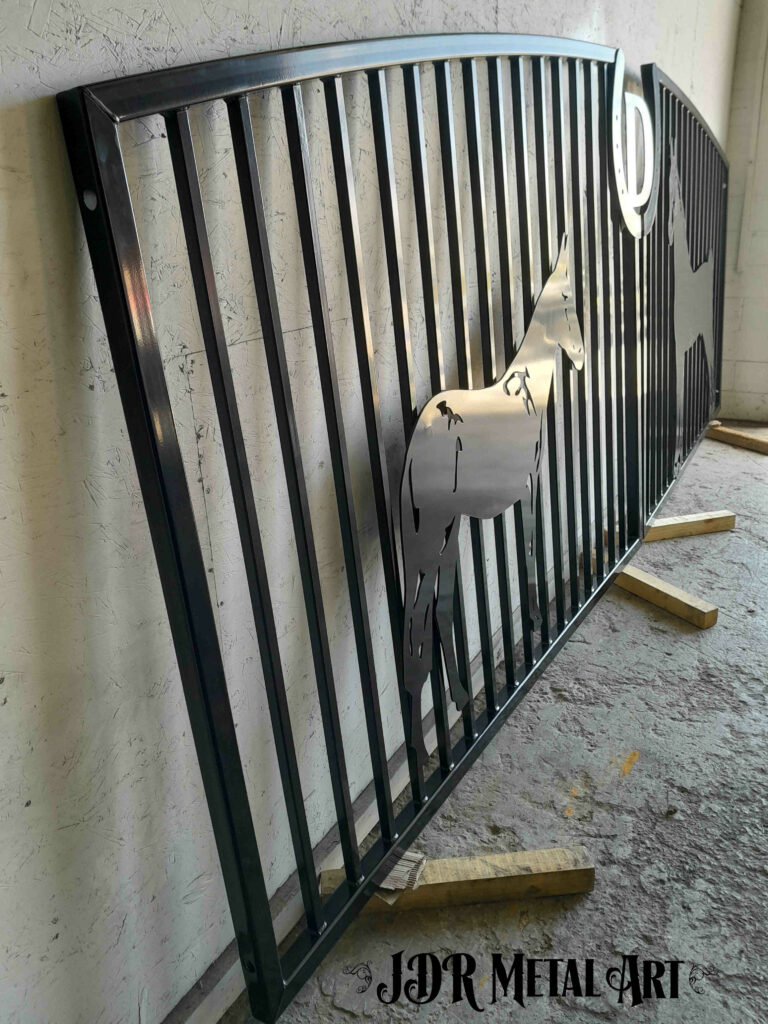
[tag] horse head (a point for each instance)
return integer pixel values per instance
(557, 309)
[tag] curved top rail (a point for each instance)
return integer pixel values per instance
(676, 91)
(158, 92)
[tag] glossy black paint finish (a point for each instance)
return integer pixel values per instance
(193, 218)
(611, 458)
(452, 192)
(703, 176)
(97, 165)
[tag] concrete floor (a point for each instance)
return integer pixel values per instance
(645, 741)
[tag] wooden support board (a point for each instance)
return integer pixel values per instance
(488, 879)
(664, 595)
(739, 438)
(690, 526)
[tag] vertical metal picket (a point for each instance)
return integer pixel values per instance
(618, 414)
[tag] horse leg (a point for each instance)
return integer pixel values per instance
(418, 653)
(416, 737)
(680, 427)
(680, 329)
(529, 534)
(709, 349)
(446, 582)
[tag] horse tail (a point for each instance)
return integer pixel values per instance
(418, 604)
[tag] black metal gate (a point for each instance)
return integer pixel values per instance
(613, 435)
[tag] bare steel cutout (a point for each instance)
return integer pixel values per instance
(476, 453)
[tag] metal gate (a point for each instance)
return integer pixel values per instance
(536, 165)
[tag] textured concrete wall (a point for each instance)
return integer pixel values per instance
(745, 353)
(111, 902)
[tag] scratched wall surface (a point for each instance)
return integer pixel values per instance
(111, 903)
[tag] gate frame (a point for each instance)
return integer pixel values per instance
(91, 116)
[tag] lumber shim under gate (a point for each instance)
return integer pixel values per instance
(738, 438)
(690, 525)
(493, 878)
(664, 595)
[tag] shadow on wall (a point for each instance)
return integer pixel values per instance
(104, 822)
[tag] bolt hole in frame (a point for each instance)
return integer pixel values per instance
(500, 207)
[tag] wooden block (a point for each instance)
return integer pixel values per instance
(739, 438)
(594, 557)
(664, 595)
(490, 879)
(690, 526)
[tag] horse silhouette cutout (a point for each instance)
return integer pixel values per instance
(476, 453)
(693, 313)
